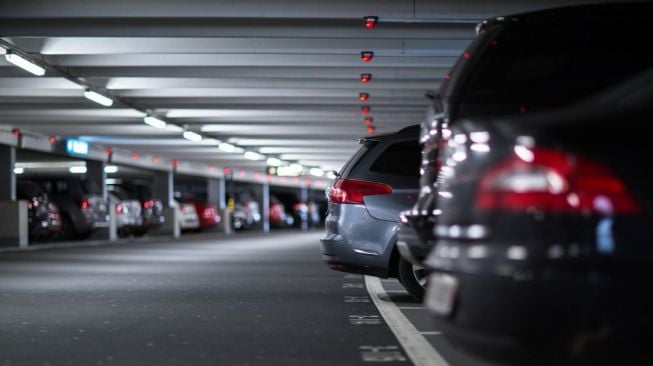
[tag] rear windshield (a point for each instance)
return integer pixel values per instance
(548, 56)
(401, 159)
(351, 163)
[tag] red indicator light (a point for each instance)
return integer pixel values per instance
(134, 155)
(366, 78)
(175, 163)
(369, 121)
(109, 151)
(295, 180)
(523, 109)
(466, 55)
(242, 173)
(494, 43)
(257, 175)
(270, 178)
(371, 129)
(319, 182)
(15, 132)
(363, 97)
(226, 171)
(283, 179)
(156, 159)
(367, 56)
(211, 168)
(370, 22)
(52, 139)
(366, 109)
(308, 181)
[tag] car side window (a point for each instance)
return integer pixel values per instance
(400, 159)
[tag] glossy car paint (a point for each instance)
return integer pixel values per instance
(528, 278)
(361, 238)
(476, 86)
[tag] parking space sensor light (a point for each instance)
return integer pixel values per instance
(366, 78)
(369, 121)
(366, 109)
(25, 64)
(367, 56)
(227, 147)
(251, 155)
(192, 136)
(363, 97)
(316, 172)
(154, 122)
(274, 162)
(370, 22)
(98, 98)
(297, 167)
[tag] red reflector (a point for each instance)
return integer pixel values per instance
(366, 109)
(370, 21)
(119, 208)
(367, 56)
(366, 78)
(84, 204)
(363, 97)
(553, 181)
(352, 191)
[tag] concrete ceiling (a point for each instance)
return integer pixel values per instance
(277, 77)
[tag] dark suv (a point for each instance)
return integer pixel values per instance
(379, 181)
(80, 203)
(520, 64)
(152, 210)
(43, 215)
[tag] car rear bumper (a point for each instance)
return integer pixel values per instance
(410, 246)
(535, 303)
(341, 256)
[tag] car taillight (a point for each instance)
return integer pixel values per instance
(120, 208)
(553, 181)
(84, 204)
(148, 204)
(351, 191)
(209, 213)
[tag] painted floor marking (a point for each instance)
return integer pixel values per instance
(352, 285)
(418, 349)
(412, 307)
(396, 292)
(365, 320)
(381, 354)
(431, 333)
(357, 299)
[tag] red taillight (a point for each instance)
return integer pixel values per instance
(148, 204)
(84, 204)
(209, 213)
(553, 181)
(120, 208)
(351, 191)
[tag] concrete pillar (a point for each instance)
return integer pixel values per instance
(7, 176)
(303, 196)
(163, 189)
(95, 173)
(215, 196)
(266, 207)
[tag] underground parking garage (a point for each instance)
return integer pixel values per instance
(306, 183)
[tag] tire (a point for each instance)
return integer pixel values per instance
(413, 278)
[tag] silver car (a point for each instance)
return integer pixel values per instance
(377, 183)
(128, 213)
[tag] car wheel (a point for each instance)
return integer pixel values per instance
(413, 278)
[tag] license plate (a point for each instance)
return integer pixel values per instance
(441, 293)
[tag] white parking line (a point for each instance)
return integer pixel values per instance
(396, 292)
(412, 307)
(431, 333)
(418, 349)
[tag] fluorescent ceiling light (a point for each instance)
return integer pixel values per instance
(296, 167)
(227, 147)
(25, 64)
(98, 98)
(331, 175)
(274, 162)
(154, 122)
(251, 155)
(317, 172)
(77, 169)
(111, 169)
(192, 136)
(19, 170)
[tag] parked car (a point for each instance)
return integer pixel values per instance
(246, 214)
(519, 64)
(208, 213)
(379, 181)
(151, 208)
(80, 204)
(44, 221)
(187, 216)
(314, 217)
(543, 237)
(278, 216)
(128, 213)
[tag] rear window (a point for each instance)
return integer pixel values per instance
(351, 163)
(401, 158)
(547, 56)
